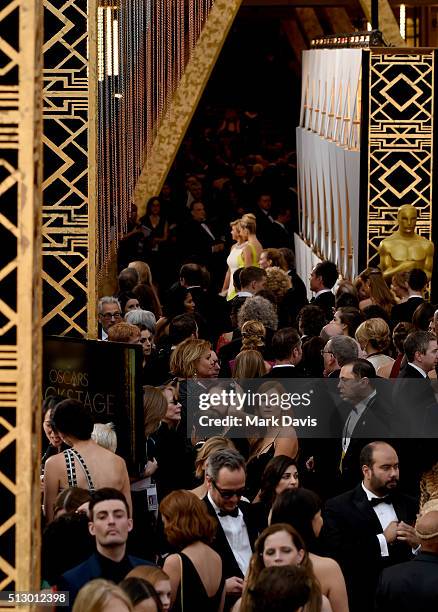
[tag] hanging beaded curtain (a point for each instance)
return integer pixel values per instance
(143, 47)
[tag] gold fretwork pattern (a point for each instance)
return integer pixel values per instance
(9, 177)
(67, 220)
(400, 142)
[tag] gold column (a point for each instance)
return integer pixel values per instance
(20, 292)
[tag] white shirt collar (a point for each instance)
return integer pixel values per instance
(415, 295)
(360, 406)
(243, 294)
(321, 291)
(370, 495)
(216, 508)
(422, 372)
(283, 365)
(104, 335)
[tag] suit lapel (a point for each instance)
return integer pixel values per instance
(364, 507)
(222, 546)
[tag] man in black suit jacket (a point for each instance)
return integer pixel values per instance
(416, 282)
(369, 527)
(235, 534)
(287, 352)
(368, 420)
(322, 279)
(264, 220)
(413, 585)
(110, 524)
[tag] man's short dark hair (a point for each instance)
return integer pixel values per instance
(182, 327)
(366, 456)
(127, 279)
(283, 342)
(236, 279)
(105, 494)
(225, 458)
(328, 271)
(362, 368)
(71, 417)
(417, 279)
(191, 273)
(192, 204)
(312, 320)
(250, 274)
(417, 341)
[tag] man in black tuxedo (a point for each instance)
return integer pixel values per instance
(368, 419)
(322, 279)
(413, 585)
(235, 534)
(264, 219)
(201, 243)
(415, 407)
(369, 527)
(287, 352)
(281, 232)
(416, 282)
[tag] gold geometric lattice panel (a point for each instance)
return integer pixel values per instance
(400, 142)
(66, 227)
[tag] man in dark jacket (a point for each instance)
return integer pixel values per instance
(413, 585)
(110, 524)
(369, 527)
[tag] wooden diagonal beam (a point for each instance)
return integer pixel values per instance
(174, 126)
(387, 22)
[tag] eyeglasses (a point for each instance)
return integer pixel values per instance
(229, 493)
(108, 316)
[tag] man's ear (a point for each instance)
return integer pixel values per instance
(91, 528)
(130, 524)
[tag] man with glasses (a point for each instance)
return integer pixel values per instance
(226, 481)
(110, 313)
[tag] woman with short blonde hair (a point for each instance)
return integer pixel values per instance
(249, 364)
(190, 358)
(97, 594)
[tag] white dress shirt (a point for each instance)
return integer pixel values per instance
(237, 536)
(353, 419)
(321, 291)
(386, 514)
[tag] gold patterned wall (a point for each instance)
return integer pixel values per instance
(68, 193)
(400, 141)
(20, 291)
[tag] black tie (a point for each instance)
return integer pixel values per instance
(375, 501)
(234, 513)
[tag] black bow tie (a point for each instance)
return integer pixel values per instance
(234, 513)
(375, 501)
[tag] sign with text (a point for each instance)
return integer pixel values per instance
(106, 378)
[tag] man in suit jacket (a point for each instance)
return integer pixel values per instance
(110, 524)
(413, 585)
(322, 279)
(281, 232)
(368, 419)
(369, 527)
(235, 534)
(287, 352)
(416, 282)
(264, 220)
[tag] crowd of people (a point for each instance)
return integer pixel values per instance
(232, 522)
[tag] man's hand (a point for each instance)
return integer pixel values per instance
(406, 533)
(150, 468)
(234, 585)
(390, 532)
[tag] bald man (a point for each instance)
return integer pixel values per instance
(413, 585)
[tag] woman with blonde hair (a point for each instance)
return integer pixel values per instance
(102, 596)
(278, 281)
(248, 228)
(374, 337)
(277, 545)
(192, 358)
(373, 290)
(195, 572)
(240, 257)
(145, 291)
(249, 363)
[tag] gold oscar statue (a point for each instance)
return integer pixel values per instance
(405, 249)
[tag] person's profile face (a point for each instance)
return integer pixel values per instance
(163, 590)
(279, 549)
